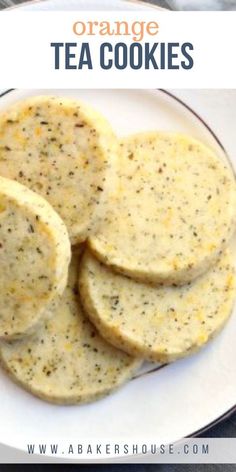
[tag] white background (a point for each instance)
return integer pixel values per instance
(27, 60)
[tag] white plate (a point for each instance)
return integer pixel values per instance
(176, 400)
(86, 5)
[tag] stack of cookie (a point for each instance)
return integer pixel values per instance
(148, 221)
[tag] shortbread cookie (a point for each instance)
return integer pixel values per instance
(160, 324)
(173, 213)
(64, 151)
(67, 361)
(34, 258)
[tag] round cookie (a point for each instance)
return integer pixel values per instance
(173, 213)
(160, 324)
(34, 258)
(67, 362)
(63, 150)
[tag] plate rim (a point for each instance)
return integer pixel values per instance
(228, 413)
(33, 2)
